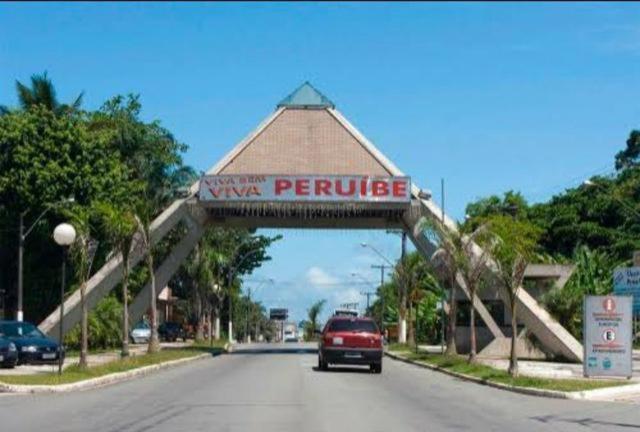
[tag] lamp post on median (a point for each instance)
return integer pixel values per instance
(64, 235)
(22, 236)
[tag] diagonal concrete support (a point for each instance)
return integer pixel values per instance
(546, 329)
(166, 270)
(105, 279)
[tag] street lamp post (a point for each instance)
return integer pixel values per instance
(64, 235)
(22, 236)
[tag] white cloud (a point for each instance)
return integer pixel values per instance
(319, 278)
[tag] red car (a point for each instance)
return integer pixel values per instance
(352, 341)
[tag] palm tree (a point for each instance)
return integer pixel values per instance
(82, 254)
(459, 256)
(448, 260)
(144, 231)
(313, 314)
(43, 92)
(418, 279)
(472, 270)
(121, 227)
(516, 242)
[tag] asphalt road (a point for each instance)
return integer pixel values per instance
(276, 388)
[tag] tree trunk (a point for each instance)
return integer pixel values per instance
(84, 327)
(154, 343)
(513, 359)
(125, 308)
(411, 334)
(200, 318)
(451, 326)
(472, 326)
(209, 325)
(217, 322)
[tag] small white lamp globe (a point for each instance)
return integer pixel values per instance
(64, 234)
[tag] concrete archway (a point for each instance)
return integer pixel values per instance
(307, 166)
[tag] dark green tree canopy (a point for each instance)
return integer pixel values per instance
(628, 157)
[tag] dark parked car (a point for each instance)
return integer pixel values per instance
(8, 354)
(352, 341)
(32, 345)
(171, 331)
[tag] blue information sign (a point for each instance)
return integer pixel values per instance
(626, 281)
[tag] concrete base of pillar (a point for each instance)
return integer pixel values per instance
(500, 348)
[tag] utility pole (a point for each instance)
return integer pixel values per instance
(402, 324)
(382, 268)
(368, 294)
(246, 321)
(19, 312)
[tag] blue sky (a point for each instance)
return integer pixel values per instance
(491, 97)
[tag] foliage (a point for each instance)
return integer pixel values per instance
(42, 92)
(629, 157)
(514, 248)
(313, 313)
(603, 215)
(592, 276)
(104, 326)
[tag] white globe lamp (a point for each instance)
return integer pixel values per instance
(64, 234)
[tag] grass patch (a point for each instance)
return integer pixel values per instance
(486, 373)
(400, 347)
(73, 373)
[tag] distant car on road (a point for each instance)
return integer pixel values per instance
(345, 312)
(352, 341)
(8, 354)
(33, 346)
(141, 333)
(171, 332)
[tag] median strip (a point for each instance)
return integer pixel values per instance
(482, 374)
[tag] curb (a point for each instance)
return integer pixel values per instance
(99, 381)
(556, 394)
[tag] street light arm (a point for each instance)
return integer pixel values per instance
(46, 210)
(24, 236)
(590, 183)
(378, 253)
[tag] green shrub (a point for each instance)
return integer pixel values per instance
(105, 329)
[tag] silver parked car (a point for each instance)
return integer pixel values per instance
(141, 333)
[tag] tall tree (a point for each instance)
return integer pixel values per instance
(313, 313)
(42, 92)
(515, 247)
(448, 260)
(82, 256)
(121, 227)
(629, 157)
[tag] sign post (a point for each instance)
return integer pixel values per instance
(608, 346)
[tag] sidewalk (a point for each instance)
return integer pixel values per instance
(93, 360)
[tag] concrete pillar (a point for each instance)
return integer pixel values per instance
(217, 328)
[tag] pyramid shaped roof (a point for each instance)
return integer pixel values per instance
(306, 96)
